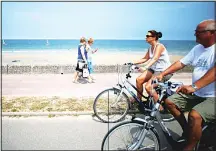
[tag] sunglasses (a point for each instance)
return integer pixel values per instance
(202, 31)
(147, 36)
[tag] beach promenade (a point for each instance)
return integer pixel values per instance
(14, 85)
(30, 75)
(60, 86)
(62, 132)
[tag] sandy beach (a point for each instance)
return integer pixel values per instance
(68, 57)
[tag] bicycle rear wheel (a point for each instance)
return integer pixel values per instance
(110, 106)
(126, 134)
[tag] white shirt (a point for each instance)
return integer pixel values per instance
(162, 63)
(89, 50)
(202, 59)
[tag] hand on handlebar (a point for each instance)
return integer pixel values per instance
(159, 77)
(133, 67)
(129, 64)
(142, 69)
(186, 89)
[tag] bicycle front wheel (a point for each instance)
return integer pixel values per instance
(111, 106)
(125, 136)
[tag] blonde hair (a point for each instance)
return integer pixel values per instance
(90, 40)
(82, 39)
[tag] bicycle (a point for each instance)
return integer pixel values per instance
(140, 134)
(113, 104)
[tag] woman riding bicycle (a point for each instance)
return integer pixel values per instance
(158, 61)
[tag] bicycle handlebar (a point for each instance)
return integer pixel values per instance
(167, 85)
(132, 66)
(129, 64)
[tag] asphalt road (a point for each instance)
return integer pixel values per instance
(61, 133)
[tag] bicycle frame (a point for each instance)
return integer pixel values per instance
(150, 119)
(124, 88)
(154, 113)
(148, 124)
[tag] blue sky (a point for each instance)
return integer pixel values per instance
(102, 20)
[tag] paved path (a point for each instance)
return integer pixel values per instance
(61, 133)
(62, 85)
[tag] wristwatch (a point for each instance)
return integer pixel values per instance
(194, 86)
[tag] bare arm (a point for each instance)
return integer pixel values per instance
(173, 68)
(93, 51)
(143, 60)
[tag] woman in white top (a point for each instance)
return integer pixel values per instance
(158, 61)
(90, 52)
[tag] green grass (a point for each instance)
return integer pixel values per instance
(50, 104)
(45, 104)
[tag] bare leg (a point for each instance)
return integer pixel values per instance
(75, 77)
(144, 77)
(90, 79)
(152, 92)
(195, 129)
(179, 116)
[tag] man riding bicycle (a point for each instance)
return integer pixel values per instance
(199, 97)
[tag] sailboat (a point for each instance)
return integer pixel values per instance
(47, 42)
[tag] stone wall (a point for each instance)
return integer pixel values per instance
(66, 69)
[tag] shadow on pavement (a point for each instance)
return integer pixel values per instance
(83, 80)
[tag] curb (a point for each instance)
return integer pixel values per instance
(45, 113)
(52, 113)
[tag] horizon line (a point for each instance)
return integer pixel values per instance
(86, 38)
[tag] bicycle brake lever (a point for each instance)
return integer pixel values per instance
(154, 81)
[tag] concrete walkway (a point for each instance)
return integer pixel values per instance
(50, 85)
(61, 84)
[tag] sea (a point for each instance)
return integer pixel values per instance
(174, 47)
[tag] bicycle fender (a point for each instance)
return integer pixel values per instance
(138, 119)
(141, 120)
(117, 87)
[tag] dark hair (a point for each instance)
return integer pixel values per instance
(155, 34)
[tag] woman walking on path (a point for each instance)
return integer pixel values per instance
(90, 52)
